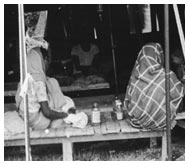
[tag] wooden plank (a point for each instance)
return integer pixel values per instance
(10, 89)
(10, 107)
(103, 123)
(51, 132)
(153, 142)
(117, 125)
(126, 128)
(88, 130)
(14, 137)
(89, 87)
(82, 104)
(60, 132)
(111, 125)
(36, 133)
(97, 129)
(43, 134)
(10, 93)
(71, 131)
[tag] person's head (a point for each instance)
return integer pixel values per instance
(178, 63)
(85, 42)
(31, 19)
(85, 46)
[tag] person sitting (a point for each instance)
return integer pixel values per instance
(145, 100)
(47, 105)
(85, 56)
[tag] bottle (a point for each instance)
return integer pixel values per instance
(119, 113)
(117, 108)
(95, 114)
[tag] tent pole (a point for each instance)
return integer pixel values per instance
(181, 35)
(113, 53)
(167, 81)
(23, 72)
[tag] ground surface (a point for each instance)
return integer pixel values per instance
(125, 150)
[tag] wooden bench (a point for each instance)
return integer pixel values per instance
(10, 88)
(109, 129)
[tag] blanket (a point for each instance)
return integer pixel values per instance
(145, 99)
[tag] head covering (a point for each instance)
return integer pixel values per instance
(35, 64)
(36, 24)
(145, 95)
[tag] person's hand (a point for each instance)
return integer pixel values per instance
(72, 111)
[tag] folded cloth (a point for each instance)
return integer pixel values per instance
(78, 120)
(69, 104)
(13, 123)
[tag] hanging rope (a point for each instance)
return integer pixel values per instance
(23, 75)
(180, 30)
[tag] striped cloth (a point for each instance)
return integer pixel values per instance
(145, 95)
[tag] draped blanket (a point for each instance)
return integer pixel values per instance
(145, 95)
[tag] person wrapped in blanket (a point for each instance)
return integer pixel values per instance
(145, 100)
(47, 105)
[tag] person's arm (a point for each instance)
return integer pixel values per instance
(96, 59)
(47, 112)
(97, 55)
(42, 98)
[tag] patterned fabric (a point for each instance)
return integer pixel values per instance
(33, 100)
(145, 95)
(31, 19)
(36, 24)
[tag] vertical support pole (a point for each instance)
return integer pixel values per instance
(113, 53)
(153, 142)
(164, 147)
(67, 146)
(23, 72)
(167, 81)
(179, 26)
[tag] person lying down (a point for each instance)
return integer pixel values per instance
(145, 99)
(47, 105)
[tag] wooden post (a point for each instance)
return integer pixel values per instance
(153, 142)
(164, 147)
(67, 150)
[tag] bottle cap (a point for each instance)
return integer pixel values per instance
(95, 105)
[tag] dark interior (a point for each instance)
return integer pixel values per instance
(68, 24)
